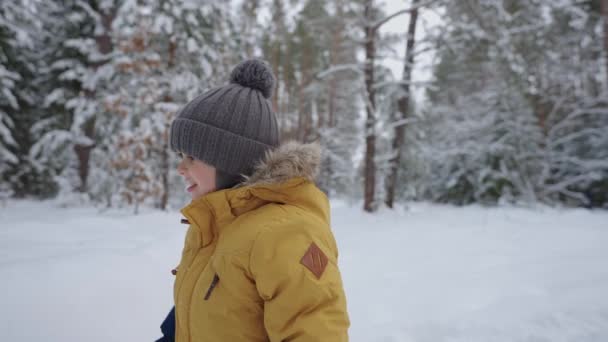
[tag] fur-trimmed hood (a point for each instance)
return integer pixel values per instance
(286, 176)
(290, 160)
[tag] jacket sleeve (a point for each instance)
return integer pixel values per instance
(298, 305)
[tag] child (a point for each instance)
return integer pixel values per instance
(260, 261)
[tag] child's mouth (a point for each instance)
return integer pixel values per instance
(191, 188)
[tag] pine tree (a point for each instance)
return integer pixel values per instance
(277, 47)
(338, 129)
(20, 33)
(168, 52)
(78, 50)
(516, 107)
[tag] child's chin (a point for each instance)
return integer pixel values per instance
(196, 195)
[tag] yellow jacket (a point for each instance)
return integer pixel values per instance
(260, 261)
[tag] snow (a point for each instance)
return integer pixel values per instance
(422, 273)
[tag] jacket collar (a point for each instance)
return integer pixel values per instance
(286, 175)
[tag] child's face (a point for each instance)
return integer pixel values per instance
(199, 177)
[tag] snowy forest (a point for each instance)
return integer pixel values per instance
(464, 148)
(515, 110)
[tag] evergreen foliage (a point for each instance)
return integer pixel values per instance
(517, 110)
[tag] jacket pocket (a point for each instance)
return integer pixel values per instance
(216, 279)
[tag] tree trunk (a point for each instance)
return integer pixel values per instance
(370, 134)
(250, 8)
(165, 152)
(334, 55)
(604, 10)
(164, 198)
(305, 106)
(276, 60)
(403, 106)
(278, 18)
(83, 152)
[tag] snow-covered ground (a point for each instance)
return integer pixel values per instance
(426, 273)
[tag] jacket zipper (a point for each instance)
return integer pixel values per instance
(214, 282)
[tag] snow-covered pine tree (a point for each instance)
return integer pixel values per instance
(515, 110)
(20, 35)
(338, 125)
(487, 132)
(295, 44)
(78, 49)
(168, 52)
(248, 24)
(317, 92)
(572, 98)
(276, 42)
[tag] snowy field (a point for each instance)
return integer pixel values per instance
(426, 273)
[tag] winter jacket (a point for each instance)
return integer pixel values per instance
(260, 261)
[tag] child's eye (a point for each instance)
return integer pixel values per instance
(182, 155)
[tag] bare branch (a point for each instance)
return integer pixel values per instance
(384, 84)
(379, 23)
(356, 68)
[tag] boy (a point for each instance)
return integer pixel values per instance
(259, 261)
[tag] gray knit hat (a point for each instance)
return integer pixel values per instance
(230, 127)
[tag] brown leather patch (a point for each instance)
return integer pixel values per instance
(315, 260)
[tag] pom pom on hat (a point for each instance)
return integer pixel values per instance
(254, 73)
